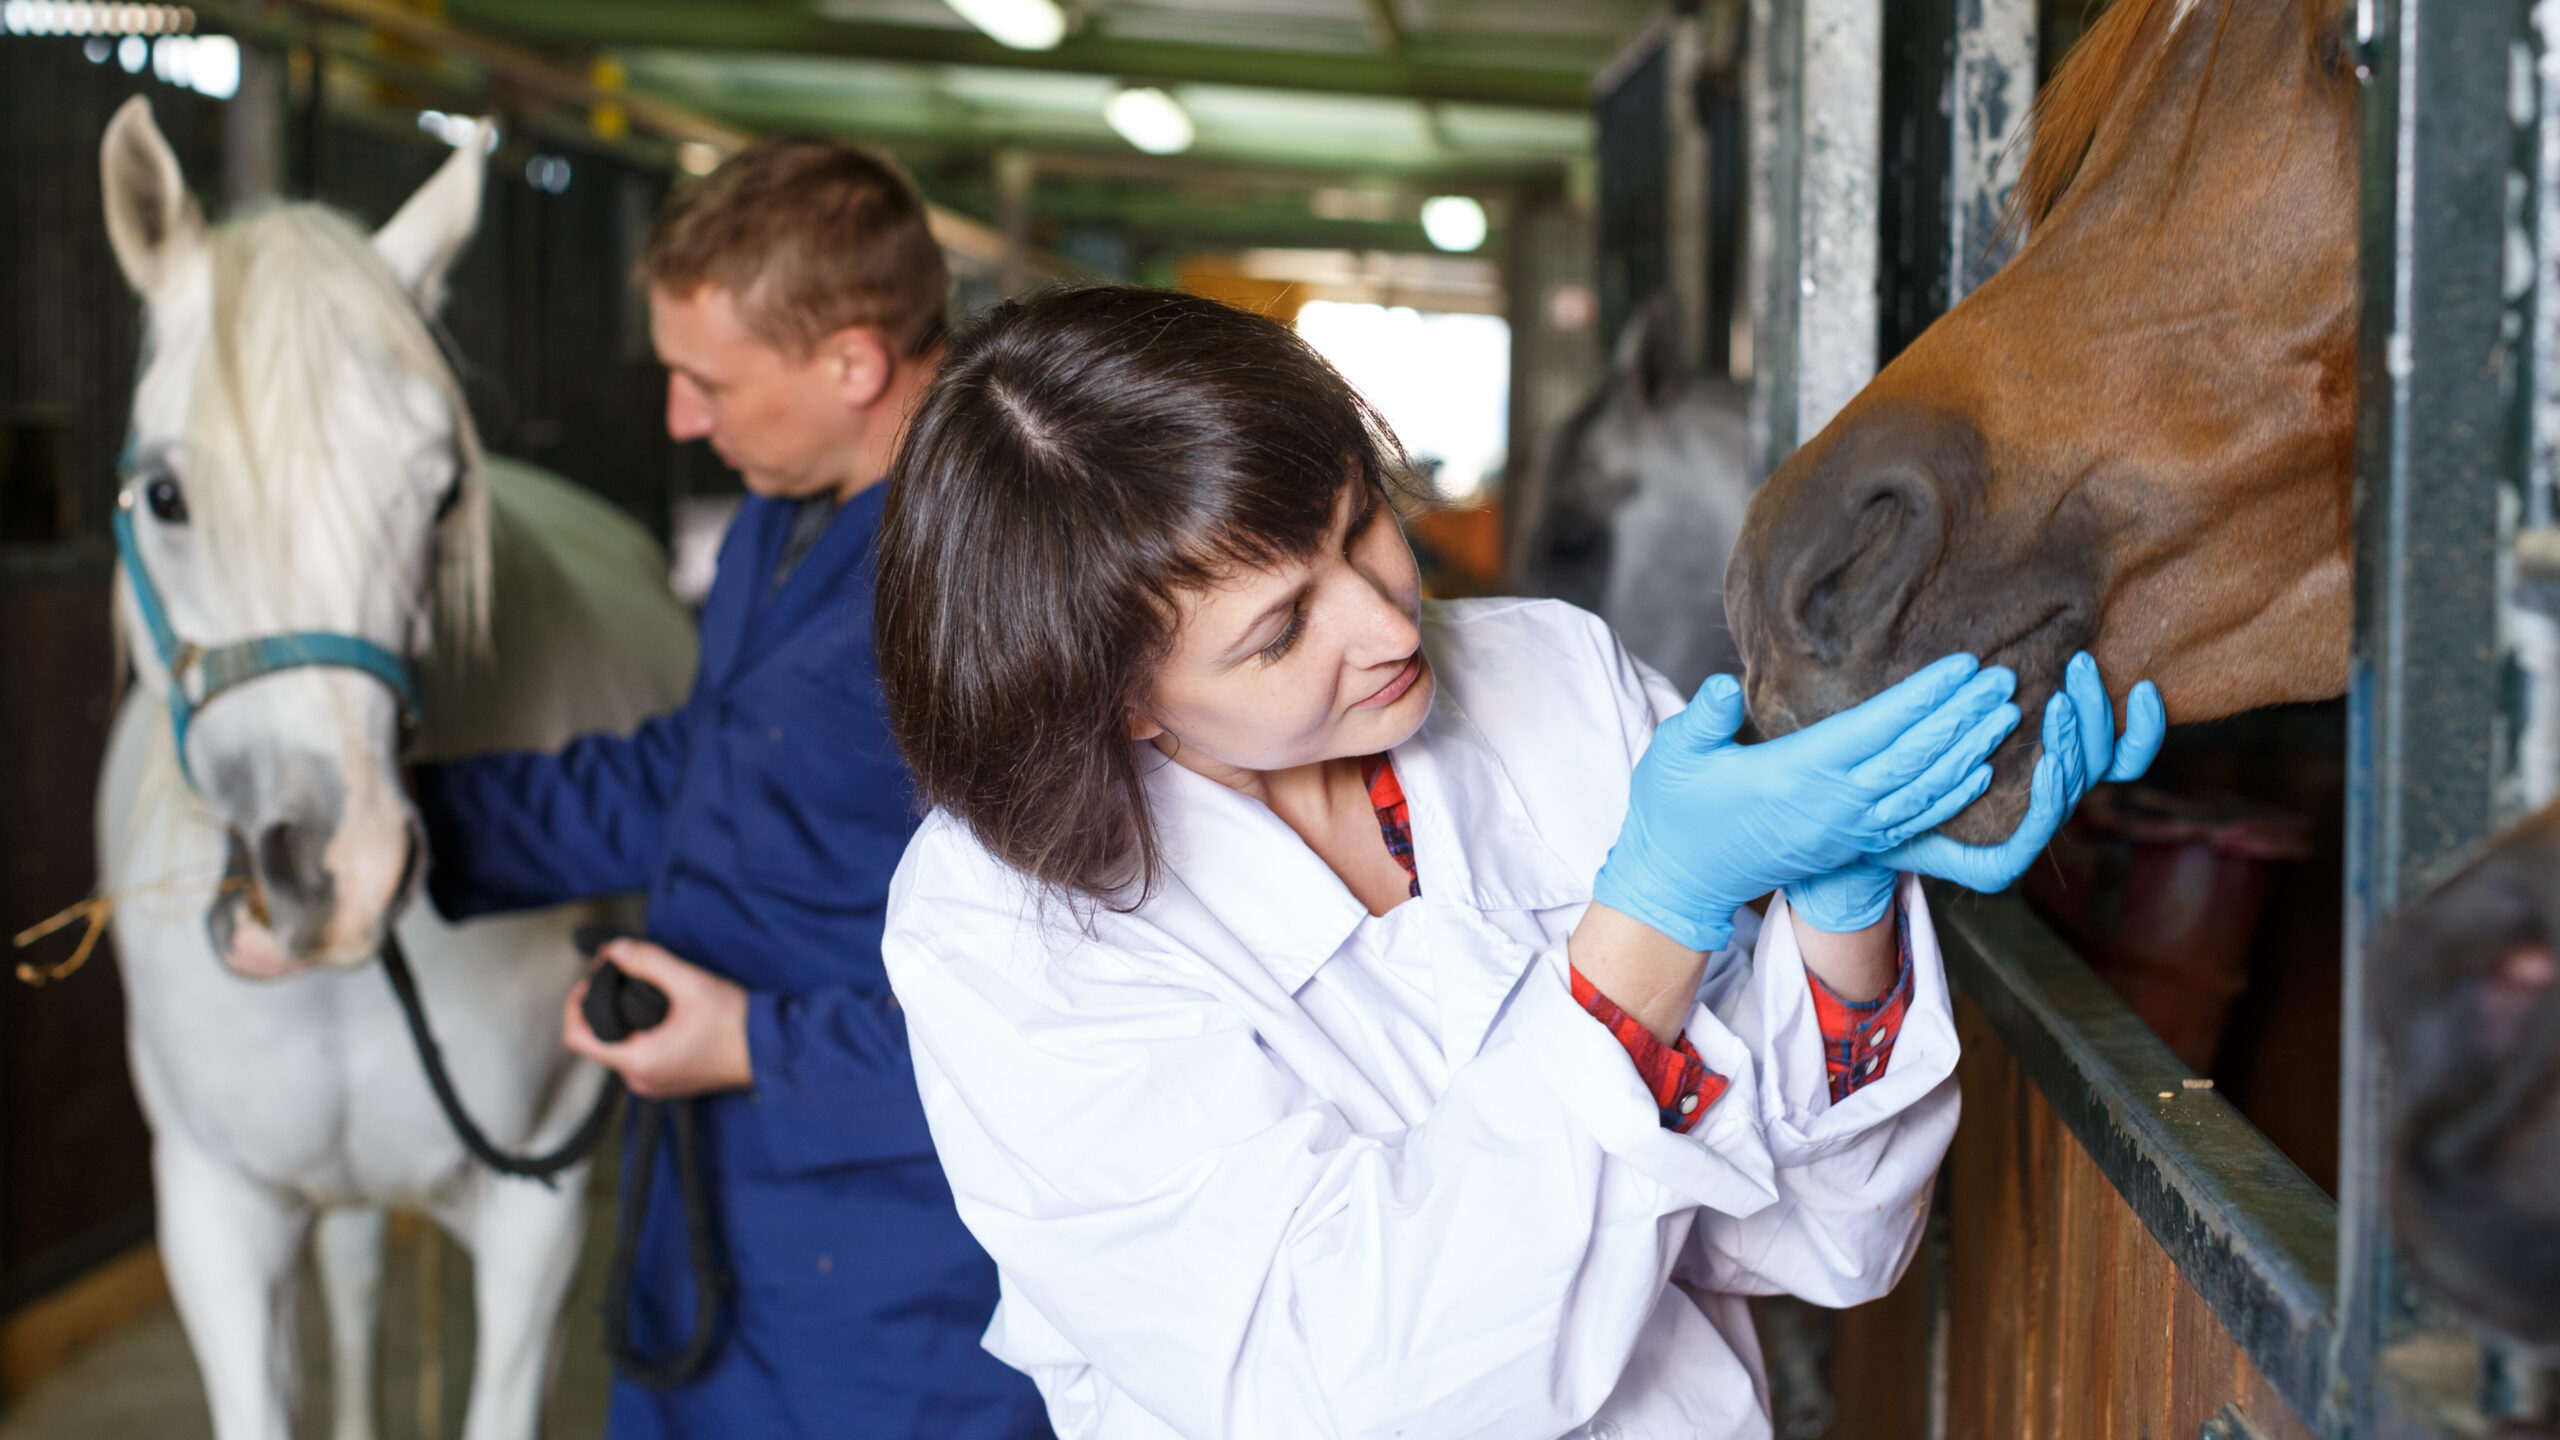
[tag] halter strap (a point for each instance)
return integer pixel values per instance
(197, 675)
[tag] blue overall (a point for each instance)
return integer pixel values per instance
(764, 819)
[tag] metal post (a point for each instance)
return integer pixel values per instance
(1776, 146)
(1816, 112)
(253, 161)
(1959, 84)
(2439, 454)
(1843, 122)
(1991, 91)
(1686, 249)
(1013, 177)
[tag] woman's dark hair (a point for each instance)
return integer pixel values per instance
(1085, 455)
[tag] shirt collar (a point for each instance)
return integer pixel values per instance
(1474, 846)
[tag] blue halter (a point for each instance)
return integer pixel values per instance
(197, 675)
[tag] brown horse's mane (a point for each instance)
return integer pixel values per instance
(2110, 58)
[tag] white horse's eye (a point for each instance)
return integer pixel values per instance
(167, 501)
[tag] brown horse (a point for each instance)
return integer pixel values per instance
(2137, 438)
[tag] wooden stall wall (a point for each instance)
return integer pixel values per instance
(75, 1180)
(2062, 1317)
(74, 1157)
(2067, 1321)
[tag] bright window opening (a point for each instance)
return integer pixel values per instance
(1443, 381)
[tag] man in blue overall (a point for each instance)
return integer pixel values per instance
(797, 300)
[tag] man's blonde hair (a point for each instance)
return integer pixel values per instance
(810, 236)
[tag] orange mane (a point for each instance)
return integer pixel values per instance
(2111, 57)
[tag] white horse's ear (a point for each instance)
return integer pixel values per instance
(151, 219)
(421, 241)
(1649, 349)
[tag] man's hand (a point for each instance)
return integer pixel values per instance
(700, 1047)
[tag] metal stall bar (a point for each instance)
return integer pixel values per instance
(1816, 147)
(1959, 85)
(1866, 226)
(2449, 100)
(1990, 93)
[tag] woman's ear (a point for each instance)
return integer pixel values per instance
(1142, 728)
(863, 365)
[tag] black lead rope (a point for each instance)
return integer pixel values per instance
(395, 964)
(617, 1005)
(695, 1356)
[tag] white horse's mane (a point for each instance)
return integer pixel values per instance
(304, 309)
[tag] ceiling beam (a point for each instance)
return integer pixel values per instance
(792, 29)
(1382, 14)
(527, 72)
(535, 76)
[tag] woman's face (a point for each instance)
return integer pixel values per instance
(1305, 661)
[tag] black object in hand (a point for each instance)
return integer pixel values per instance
(618, 1005)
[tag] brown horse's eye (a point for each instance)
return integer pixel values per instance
(167, 501)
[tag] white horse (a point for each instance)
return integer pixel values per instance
(1643, 501)
(301, 461)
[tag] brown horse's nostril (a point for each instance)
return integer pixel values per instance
(1860, 562)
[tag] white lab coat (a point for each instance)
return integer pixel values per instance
(1254, 1163)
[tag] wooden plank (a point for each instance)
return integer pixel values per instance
(41, 1338)
(2068, 1320)
(75, 1177)
(2242, 1223)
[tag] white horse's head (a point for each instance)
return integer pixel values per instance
(300, 460)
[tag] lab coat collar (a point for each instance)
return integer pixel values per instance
(1478, 852)
(1474, 846)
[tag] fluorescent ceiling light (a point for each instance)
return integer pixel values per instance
(206, 64)
(1022, 24)
(1453, 222)
(1149, 119)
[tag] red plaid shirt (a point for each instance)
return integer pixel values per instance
(1857, 1036)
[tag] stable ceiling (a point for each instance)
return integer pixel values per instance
(1319, 121)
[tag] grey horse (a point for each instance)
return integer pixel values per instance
(1643, 498)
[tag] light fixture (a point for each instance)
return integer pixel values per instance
(62, 17)
(1149, 119)
(206, 64)
(699, 157)
(1020, 24)
(1453, 222)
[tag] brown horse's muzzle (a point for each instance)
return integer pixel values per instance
(2466, 995)
(1867, 556)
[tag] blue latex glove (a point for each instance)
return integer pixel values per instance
(1711, 823)
(2080, 749)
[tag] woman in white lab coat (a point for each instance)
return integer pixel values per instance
(1304, 980)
